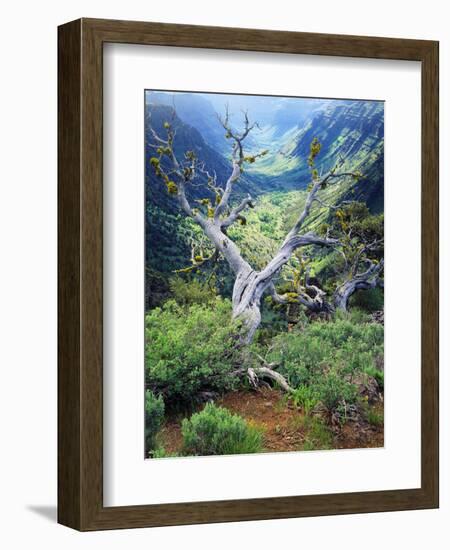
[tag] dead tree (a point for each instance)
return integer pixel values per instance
(215, 216)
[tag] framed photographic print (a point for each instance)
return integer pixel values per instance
(248, 274)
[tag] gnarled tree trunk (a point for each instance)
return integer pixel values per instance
(246, 302)
(363, 281)
(250, 285)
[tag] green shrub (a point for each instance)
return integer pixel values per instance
(305, 397)
(189, 350)
(375, 418)
(356, 315)
(370, 300)
(322, 345)
(321, 359)
(334, 392)
(299, 356)
(318, 435)
(188, 292)
(216, 431)
(338, 332)
(377, 374)
(160, 452)
(154, 416)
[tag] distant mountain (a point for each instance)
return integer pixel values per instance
(351, 128)
(355, 130)
(293, 112)
(273, 114)
(196, 111)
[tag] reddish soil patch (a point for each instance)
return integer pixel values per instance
(170, 435)
(283, 424)
(266, 408)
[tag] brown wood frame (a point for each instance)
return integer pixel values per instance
(80, 415)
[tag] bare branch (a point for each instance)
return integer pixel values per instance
(266, 372)
(235, 213)
(154, 134)
(181, 174)
(355, 175)
(238, 157)
(197, 258)
(314, 300)
(255, 373)
(368, 247)
(285, 252)
(362, 281)
(318, 184)
(236, 172)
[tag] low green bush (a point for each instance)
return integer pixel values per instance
(216, 431)
(187, 292)
(370, 300)
(189, 350)
(298, 356)
(317, 435)
(334, 392)
(377, 374)
(321, 359)
(160, 452)
(339, 343)
(154, 416)
(355, 315)
(375, 418)
(305, 397)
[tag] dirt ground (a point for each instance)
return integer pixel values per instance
(284, 426)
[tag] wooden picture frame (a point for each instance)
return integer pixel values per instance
(80, 272)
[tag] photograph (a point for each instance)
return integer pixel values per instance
(264, 274)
